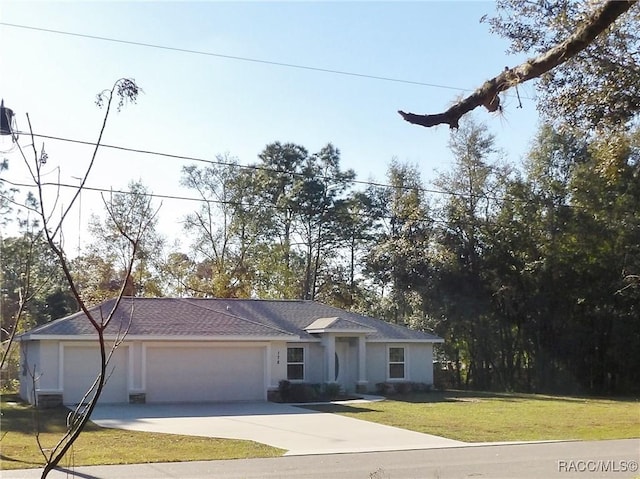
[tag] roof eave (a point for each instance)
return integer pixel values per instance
(131, 337)
(341, 331)
(401, 340)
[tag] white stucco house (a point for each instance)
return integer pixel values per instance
(193, 350)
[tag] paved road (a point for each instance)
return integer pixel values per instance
(563, 460)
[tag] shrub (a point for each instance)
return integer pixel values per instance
(284, 388)
(302, 392)
(332, 390)
(385, 389)
(305, 392)
(404, 388)
(421, 387)
(444, 378)
(401, 387)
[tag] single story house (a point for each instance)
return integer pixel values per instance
(196, 350)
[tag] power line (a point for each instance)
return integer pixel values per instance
(430, 191)
(239, 58)
(181, 198)
(450, 223)
(429, 219)
(123, 192)
(253, 167)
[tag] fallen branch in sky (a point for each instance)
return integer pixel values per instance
(487, 94)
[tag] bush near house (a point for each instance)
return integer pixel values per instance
(306, 392)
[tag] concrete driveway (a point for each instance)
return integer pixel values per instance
(297, 430)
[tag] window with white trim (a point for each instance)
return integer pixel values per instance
(396, 363)
(295, 364)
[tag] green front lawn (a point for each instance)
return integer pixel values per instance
(487, 417)
(465, 416)
(98, 445)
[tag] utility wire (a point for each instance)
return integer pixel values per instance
(431, 191)
(429, 219)
(251, 205)
(447, 223)
(239, 58)
(256, 167)
(155, 195)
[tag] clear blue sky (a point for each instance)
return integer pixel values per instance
(199, 105)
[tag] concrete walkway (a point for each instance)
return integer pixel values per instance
(298, 431)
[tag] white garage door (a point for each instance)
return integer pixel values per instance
(81, 367)
(182, 374)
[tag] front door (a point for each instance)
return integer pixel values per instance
(342, 373)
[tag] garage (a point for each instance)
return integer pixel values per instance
(81, 367)
(197, 374)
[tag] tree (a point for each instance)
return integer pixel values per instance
(291, 213)
(356, 223)
(33, 289)
(319, 199)
(123, 91)
(398, 260)
(129, 227)
(561, 251)
(521, 263)
(224, 228)
(575, 54)
(599, 85)
(461, 296)
(601, 250)
(6, 196)
(279, 178)
(178, 273)
(98, 279)
(31, 275)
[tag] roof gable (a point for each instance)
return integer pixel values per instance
(337, 325)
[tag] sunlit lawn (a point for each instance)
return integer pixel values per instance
(484, 417)
(98, 445)
(465, 416)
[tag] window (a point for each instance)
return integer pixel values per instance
(396, 363)
(295, 364)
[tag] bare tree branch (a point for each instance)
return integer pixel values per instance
(125, 90)
(487, 94)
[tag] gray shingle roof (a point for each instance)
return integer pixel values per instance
(212, 317)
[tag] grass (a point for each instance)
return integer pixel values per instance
(465, 416)
(487, 417)
(98, 445)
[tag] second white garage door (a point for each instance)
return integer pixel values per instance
(197, 374)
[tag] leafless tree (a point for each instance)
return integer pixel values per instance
(123, 91)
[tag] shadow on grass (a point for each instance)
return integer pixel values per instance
(11, 397)
(25, 419)
(338, 408)
(27, 464)
(454, 395)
